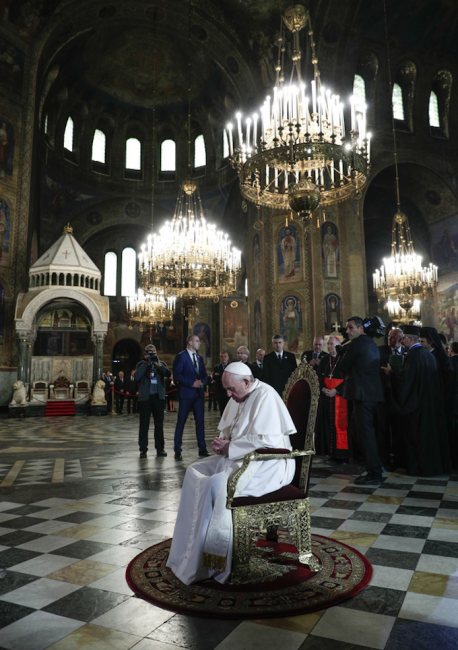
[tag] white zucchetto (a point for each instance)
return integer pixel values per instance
(239, 368)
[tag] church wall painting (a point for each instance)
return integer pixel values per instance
(447, 307)
(330, 253)
(288, 254)
(5, 227)
(291, 323)
(235, 325)
(444, 237)
(203, 331)
(11, 66)
(332, 312)
(2, 314)
(257, 324)
(256, 261)
(6, 147)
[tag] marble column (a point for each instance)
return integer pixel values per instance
(98, 357)
(22, 361)
(28, 370)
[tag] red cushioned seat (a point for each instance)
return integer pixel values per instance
(287, 493)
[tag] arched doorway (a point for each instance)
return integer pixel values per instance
(126, 354)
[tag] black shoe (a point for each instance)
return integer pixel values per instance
(161, 452)
(143, 454)
(203, 453)
(368, 479)
(178, 455)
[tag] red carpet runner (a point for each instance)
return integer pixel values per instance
(58, 408)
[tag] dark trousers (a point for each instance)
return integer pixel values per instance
(222, 402)
(196, 405)
(152, 406)
(109, 398)
(133, 399)
(119, 402)
(363, 412)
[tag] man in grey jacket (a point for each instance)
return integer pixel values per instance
(150, 373)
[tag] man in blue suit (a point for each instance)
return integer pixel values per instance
(190, 375)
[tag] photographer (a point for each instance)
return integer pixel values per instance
(360, 362)
(150, 374)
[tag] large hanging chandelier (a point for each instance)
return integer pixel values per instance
(190, 258)
(152, 307)
(296, 153)
(402, 282)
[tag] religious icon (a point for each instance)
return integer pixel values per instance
(235, 325)
(203, 331)
(256, 261)
(6, 147)
(4, 232)
(332, 312)
(2, 314)
(330, 250)
(445, 245)
(288, 255)
(257, 325)
(291, 323)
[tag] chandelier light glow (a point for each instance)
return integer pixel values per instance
(151, 307)
(296, 152)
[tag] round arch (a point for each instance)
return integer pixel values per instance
(125, 356)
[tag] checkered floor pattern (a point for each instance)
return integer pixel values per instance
(64, 547)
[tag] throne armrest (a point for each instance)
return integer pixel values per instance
(260, 454)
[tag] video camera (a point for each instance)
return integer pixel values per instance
(152, 358)
(374, 327)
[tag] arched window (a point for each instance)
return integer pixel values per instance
(359, 92)
(398, 103)
(168, 156)
(225, 145)
(129, 271)
(110, 275)
(133, 154)
(434, 119)
(68, 135)
(200, 156)
(99, 147)
(46, 125)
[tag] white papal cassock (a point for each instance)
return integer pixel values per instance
(204, 524)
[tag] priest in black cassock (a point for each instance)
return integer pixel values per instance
(332, 422)
(416, 396)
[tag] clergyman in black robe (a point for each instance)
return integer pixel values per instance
(417, 398)
(332, 423)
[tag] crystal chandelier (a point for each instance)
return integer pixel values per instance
(402, 282)
(296, 153)
(151, 307)
(190, 258)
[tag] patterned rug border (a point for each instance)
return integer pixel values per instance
(362, 584)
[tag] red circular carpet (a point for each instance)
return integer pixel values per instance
(282, 587)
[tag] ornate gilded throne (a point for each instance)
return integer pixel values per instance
(288, 507)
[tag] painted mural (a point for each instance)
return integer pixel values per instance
(235, 325)
(11, 66)
(203, 331)
(257, 325)
(5, 227)
(447, 307)
(6, 147)
(332, 312)
(288, 255)
(2, 314)
(330, 256)
(444, 236)
(291, 323)
(256, 261)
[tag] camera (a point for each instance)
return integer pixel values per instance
(374, 327)
(152, 358)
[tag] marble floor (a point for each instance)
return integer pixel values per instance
(77, 504)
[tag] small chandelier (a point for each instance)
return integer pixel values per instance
(190, 258)
(402, 282)
(151, 307)
(296, 154)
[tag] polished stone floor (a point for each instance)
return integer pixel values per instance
(77, 504)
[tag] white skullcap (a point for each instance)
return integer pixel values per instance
(239, 368)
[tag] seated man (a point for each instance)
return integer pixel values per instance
(255, 417)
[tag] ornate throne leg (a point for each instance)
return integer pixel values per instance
(241, 544)
(304, 537)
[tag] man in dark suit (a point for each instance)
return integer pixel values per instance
(386, 420)
(190, 375)
(120, 392)
(363, 385)
(218, 370)
(257, 366)
(132, 392)
(278, 365)
(151, 374)
(314, 356)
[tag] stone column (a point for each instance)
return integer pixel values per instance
(97, 368)
(22, 361)
(28, 370)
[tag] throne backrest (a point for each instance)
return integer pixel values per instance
(62, 382)
(82, 385)
(301, 396)
(39, 386)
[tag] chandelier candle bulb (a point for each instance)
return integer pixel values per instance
(231, 139)
(313, 83)
(255, 131)
(353, 113)
(248, 128)
(239, 128)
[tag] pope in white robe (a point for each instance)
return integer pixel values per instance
(255, 417)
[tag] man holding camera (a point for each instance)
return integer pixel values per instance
(150, 374)
(360, 362)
